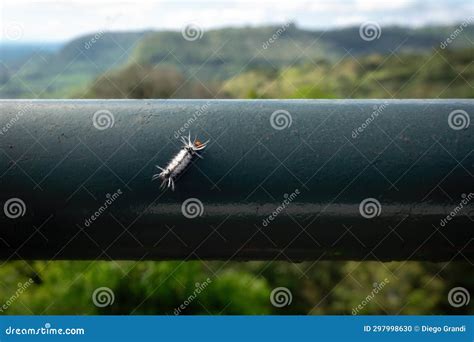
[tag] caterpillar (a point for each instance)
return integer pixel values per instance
(180, 161)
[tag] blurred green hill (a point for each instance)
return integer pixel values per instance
(322, 287)
(438, 74)
(61, 72)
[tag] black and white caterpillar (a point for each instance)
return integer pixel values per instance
(180, 161)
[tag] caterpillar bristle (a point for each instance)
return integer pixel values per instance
(180, 161)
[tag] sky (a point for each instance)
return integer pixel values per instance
(62, 20)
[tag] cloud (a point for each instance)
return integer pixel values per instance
(61, 20)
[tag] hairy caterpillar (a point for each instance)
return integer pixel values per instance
(180, 161)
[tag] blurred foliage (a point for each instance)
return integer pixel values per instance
(147, 82)
(146, 287)
(442, 74)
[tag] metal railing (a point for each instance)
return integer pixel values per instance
(279, 179)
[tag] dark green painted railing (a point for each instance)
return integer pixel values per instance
(286, 179)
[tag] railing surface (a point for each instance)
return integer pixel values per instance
(280, 179)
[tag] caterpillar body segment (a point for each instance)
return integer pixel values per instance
(180, 161)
